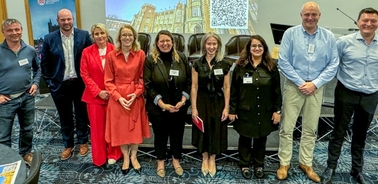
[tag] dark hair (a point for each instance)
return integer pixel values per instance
(367, 10)
(246, 55)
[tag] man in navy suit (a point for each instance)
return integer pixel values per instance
(60, 64)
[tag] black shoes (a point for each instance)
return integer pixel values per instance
(360, 178)
(247, 174)
(139, 170)
(125, 171)
(259, 172)
(327, 175)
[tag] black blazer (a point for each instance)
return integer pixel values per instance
(156, 83)
(52, 56)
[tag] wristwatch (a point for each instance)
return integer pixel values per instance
(278, 112)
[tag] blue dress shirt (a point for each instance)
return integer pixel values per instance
(358, 69)
(304, 57)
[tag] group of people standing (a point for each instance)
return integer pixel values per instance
(118, 91)
(309, 58)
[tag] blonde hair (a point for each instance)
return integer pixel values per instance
(155, 53)
(100, 26)
(219, 55)
(135, 46)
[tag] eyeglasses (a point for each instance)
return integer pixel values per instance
(257, 45)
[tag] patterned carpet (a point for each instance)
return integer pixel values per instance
(80, 169)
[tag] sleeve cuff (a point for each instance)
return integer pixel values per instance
(317, 83)
(157, 99)
(186, 95)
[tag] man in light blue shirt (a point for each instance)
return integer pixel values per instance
(355, 93)
(308, 59)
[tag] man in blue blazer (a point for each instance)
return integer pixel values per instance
(60, 64)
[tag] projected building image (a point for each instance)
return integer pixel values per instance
(190, 16)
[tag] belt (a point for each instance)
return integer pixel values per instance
(71, 79)
(308, 80)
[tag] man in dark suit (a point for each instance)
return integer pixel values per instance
(60, 64)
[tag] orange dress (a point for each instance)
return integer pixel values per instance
(121, 79)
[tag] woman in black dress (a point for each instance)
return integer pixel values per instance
(210, 94)
(255, 103)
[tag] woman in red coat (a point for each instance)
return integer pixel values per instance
(126, 121)
(95, 95)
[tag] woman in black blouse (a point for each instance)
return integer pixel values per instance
(210, 97)
(255, 103)
(167, 82)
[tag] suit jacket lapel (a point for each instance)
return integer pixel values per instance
(76, 42)
(96, 57)
(59, 44)
(163, 71)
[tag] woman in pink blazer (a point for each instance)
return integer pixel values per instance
(92, 71)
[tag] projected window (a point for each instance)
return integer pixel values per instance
(183, 16)
(196, 11)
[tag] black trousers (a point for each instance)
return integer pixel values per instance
(246, 153)
(361, 106)
(168, 125)
(72, 112)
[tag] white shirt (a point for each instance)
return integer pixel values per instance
(68, 48)
(102, 56)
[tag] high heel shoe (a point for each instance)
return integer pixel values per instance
(125, 171)
(205, 172)
(212, 168)
(137, 170)
(205, 168)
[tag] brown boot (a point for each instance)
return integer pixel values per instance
(309, 171)
(282, 172)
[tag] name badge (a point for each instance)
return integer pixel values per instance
(247, 80)
(23, 62)
(311, 48)
(218, 71)
(174, 72)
